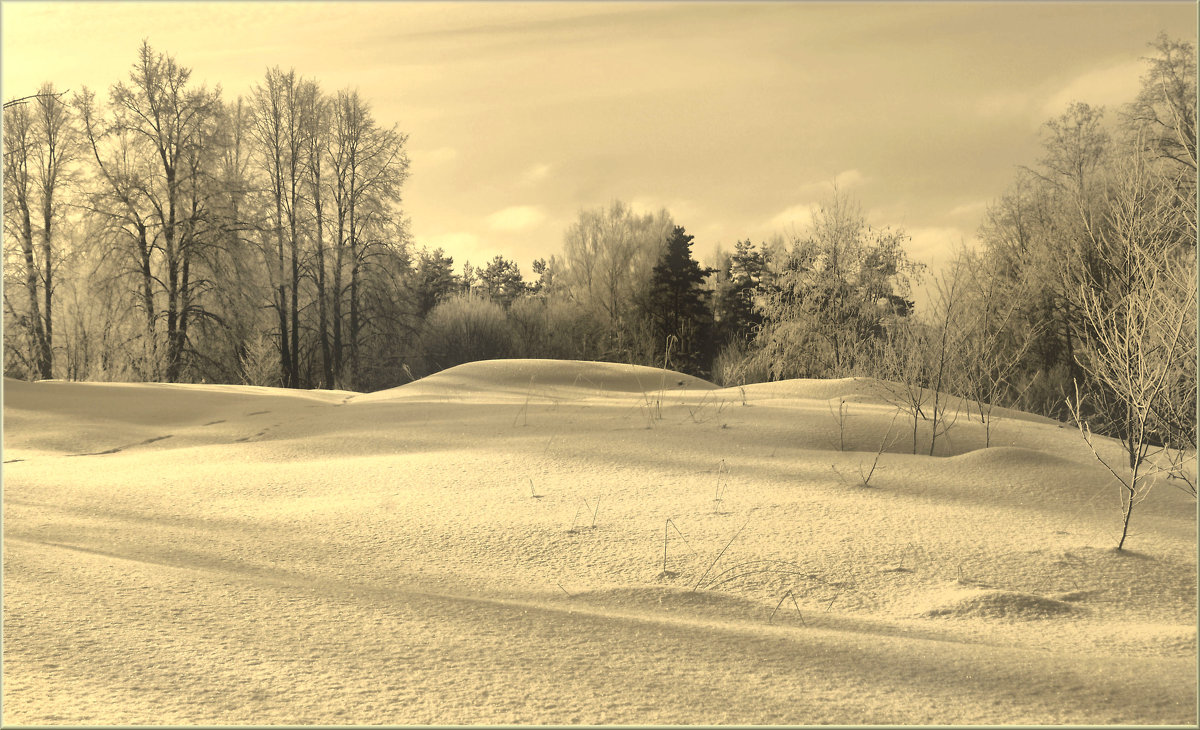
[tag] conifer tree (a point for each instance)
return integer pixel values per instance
(678, 303)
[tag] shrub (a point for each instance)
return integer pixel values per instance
(552, 328)
(465, 328)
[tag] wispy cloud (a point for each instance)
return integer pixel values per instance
(456, 241)
(843, 180)
(462, 246)
(436, 156)
(683, 211)
(798, 217)
(1110, 87)
(973, 208)
(537, 173)
(1004, 104)
(849, 178)
(934, 245)
(516, 218)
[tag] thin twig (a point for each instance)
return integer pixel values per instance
(714, 562)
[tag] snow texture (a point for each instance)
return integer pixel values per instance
(566, 542)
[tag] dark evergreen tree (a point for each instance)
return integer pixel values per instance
(433, 280)
(545, 271)
(501, 281)
(738, 315)
(678, 304)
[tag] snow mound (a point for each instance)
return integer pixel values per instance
(104, 418)
(540, 378)
(959, 601)
(1011, 457)
(157, 403)
(869, 391)
(676, 600)
(853, 390)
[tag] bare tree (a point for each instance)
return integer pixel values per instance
(43, 94)
(1164, 113)
(369, 165)
(1137, 335)
(162, 127)
(236, 261)
(919, 362)
(278, 131)
(119, 202)
(19, 201)
(944, 354)
(55, 153)
(608, 260)
(316, 124)
(40, 146)
(995, 338)
(903, 369)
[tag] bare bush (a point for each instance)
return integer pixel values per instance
(1136, 340)
(466, 328)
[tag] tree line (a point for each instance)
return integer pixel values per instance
(163, 233)
(159, 232)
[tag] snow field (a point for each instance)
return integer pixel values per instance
(427, 554)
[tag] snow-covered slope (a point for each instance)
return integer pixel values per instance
(568, 542)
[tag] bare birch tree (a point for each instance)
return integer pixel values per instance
(278, 130)
(1137, 331)
(39, 154)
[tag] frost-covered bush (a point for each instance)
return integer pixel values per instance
(465, 328)
(735, 364)
(259, 360)
(554, 329)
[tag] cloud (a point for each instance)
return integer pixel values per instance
(798, 217)
(842, 181)
(436, 156)
(974, 208)
(682, 211)
(1109, 87)
(462, 246)
(1000, 104)
(516, 218)
(536, 173)
(849, 178)
(456, 241)
(934, 245)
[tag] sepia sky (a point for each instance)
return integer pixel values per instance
(737, 117)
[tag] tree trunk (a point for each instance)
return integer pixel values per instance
(322, 315)
(185, 305)
(46, 361)
(353, 273)
(354, 321)
(31, 285)
(147, 276)
(338, 263)
(285, 358)
(294, 305)
(171, 246)
(294, 314)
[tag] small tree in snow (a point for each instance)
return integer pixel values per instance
(1138, 330)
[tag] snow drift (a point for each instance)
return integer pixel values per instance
(568, 542)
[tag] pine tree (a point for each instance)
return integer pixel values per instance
(501, 281)
(678, 303)
(545, 271)
(434, 280)
(745, 274)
